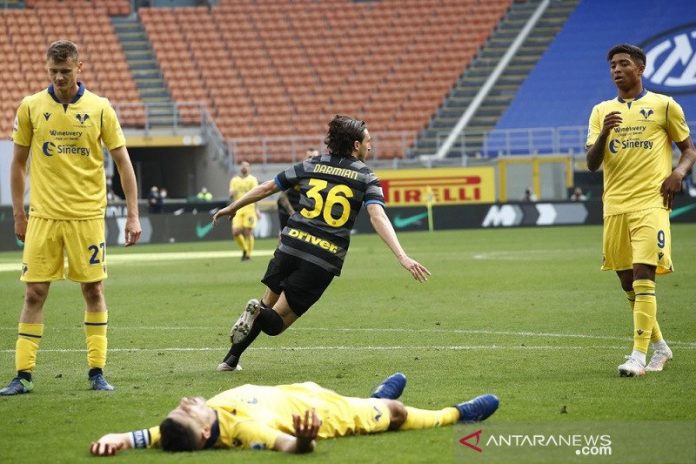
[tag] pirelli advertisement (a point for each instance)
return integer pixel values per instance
(442, 186)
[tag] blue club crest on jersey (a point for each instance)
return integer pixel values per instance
(671, 60)
(646, 112)
(82, 117)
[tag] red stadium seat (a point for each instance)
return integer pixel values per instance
(29, 31)
(287, 66)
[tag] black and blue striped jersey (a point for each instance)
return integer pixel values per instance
(332, 191)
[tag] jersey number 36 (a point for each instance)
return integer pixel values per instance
(336, 195)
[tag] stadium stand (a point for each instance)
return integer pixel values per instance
(29, 31)
(112, 7)
(573, 74)
(272, 70)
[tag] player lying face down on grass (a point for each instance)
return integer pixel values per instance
(313, 245)
(288, 418)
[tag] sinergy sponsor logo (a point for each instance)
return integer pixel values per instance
(616, 145)
(50, 149)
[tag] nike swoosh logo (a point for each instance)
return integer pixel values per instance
(682, 210)
(202, 231)
(400, 222)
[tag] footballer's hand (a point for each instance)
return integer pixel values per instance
(417, 270)
(20, 226)
(611, 120)
(669, 188)
(226, 211)
(110, 444)
(307, 430)
(133, 231)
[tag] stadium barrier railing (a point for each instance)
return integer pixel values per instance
(389, 148)
(566, 140)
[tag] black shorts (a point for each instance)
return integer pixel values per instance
(302, 281)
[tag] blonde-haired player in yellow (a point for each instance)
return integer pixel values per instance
(63, 127)
(631, 137)
(244, 222)
(288, 418)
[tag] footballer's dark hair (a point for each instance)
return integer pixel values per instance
(631, 50)
(175, 436)
(343, 132)
(62, 50)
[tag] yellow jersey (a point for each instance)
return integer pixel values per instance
(240, 186)
(252, 416)
(66, 167)
(638, 153)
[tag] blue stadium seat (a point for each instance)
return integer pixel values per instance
(573, 74)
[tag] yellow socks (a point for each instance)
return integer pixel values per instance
(95, 333)
(250, 244)
(425, 419)
(644, 314)
(656, 335)
(241, 241)
(28, 338)
(631, 297)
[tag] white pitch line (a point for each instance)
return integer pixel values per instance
(155, 257)
(348, 348)
(517, 255)
(388, 330)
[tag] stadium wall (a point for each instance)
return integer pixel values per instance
(191, 222)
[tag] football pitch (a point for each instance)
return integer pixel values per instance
(522, 313)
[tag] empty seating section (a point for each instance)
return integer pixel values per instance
(112, 7)
(284, 68)
(573, 74)
(22, 54)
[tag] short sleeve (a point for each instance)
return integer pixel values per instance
(594, 127)
(22, 130)
(111, 132)
(677, 129)
(374, 193)
(291, 176)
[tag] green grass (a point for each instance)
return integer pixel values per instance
(523, 313)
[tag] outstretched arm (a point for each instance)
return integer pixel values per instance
(110, 444)
(306, 432)
(259, 192)
(384, 229)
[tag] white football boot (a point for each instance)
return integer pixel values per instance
(658, 360)
(631, 368)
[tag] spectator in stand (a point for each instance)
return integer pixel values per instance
(154, 205)
(529, 195)
(578, 195)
